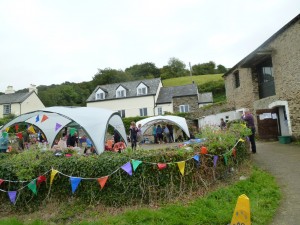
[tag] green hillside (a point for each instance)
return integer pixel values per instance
(199, 80)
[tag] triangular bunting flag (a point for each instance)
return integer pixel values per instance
(7, 129)
(225, 159)
(44, 118)
(242, 140)
(53, 173)
(102, 181)
(32, 186)
(1, 181)
(37, 118)
(74, 183)
(181, 166)
(41, 179)
(135, 164)
(196, 157)
(57, 126)
(127, 168)
(31, 129)
(12, 196)
(17, 127)
(203, 150)
(243, 125)
(161, 166)
(215, 160)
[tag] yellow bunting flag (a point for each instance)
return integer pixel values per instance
(53, 173)
(102, 181)
(242, 140)
(31, 129)
(243, 125)
(241, 214)
(7, 129)
(181, 166)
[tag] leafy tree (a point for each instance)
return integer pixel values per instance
(110, 76)
(204, 68)
(144, 70)
(175, 68)
(221, 69)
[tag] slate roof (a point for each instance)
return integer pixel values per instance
(166, 94)
(130, 87)
(14, 98)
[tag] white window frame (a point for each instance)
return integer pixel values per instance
(142, 91)
(100, 96)
(184, 108)
(6, 109)
(122, 113)
(159, 111)
(143, 112)
(121, 93)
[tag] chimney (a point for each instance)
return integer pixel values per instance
(32, 87)
(9, 90)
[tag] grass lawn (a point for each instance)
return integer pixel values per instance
(200, 79)
(215, 208)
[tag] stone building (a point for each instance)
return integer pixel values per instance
(267, 81)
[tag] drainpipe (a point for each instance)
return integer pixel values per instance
(20, 108)
(154, 105)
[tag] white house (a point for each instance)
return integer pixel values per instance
(19, 103)
(145, 98)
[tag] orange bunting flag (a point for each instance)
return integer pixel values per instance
(181, 166)
(161, 166)
(53, 173)
(102, 181)
(242, 140)
(203, 150)
(44, 118)
(31, 129)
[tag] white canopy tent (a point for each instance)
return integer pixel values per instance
(177, 120)
(94, 121)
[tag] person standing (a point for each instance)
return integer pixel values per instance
(249, 119)
(170, 127)
(154, 133)
(159, 135)
(4, 142)
(133, 135)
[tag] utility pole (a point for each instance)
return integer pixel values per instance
(191, 72)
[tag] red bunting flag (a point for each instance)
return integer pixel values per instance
(44, 118)
(41, 179)
(1, 181)
(102, 181)
(161, 166)
(17, 127)
(203, 150)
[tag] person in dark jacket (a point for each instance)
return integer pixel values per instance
(249, 119)
(133, 135)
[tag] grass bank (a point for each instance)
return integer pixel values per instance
(215, 208)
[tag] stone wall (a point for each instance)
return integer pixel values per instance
(286, 71)
(192, 101)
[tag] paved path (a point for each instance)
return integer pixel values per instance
(283, 162)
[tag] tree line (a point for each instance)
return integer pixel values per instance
(76, 94)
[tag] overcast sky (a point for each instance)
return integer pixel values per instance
(46, 42)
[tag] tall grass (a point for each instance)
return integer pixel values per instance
(215, 208)
(200, 79)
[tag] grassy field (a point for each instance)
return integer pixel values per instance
(200, 79)
(216, 208)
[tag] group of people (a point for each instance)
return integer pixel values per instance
(162, 134)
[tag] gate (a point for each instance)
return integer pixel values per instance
(267, 124)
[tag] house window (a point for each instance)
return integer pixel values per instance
(122, 113)
(142, 91)
(121, 93)
(143, 112)
(266, 86)
(184, 108)
(237, 79)
(159, 110)
(100, 96)
(6, 109)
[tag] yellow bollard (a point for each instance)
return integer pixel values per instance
(241, 214)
